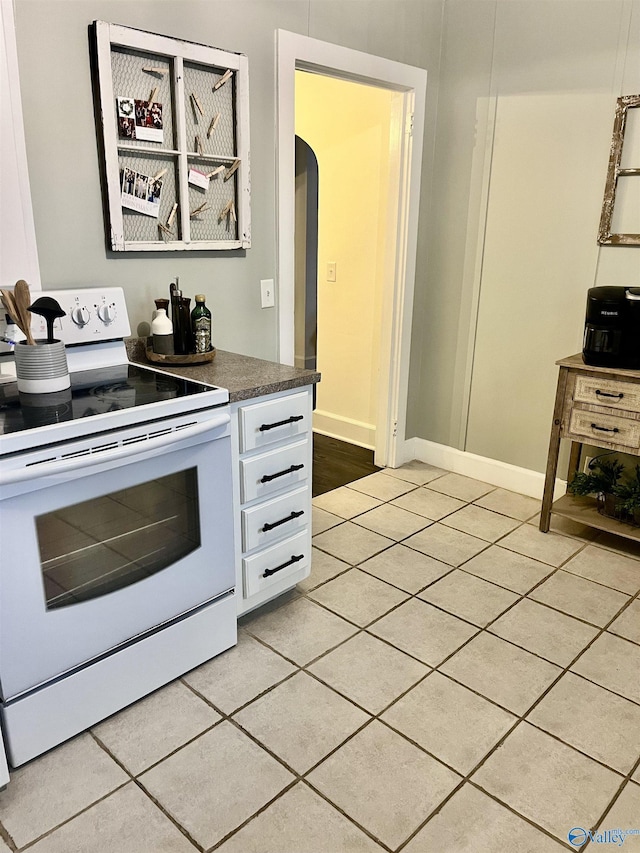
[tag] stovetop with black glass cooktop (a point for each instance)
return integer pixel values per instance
(124, 388)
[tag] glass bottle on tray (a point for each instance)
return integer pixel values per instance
(201, 325)
(181, 322)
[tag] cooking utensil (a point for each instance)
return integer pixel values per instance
(10, 306)
(49, 308)
(22, 299)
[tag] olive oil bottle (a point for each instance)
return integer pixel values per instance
(201, 325)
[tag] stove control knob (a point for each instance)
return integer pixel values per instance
(107, 313)
(80, 316)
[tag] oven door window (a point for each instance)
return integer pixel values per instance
(107, 543)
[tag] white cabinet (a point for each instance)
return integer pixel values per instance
(273, 453)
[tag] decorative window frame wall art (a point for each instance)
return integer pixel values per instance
(175, 128)
(617, 170)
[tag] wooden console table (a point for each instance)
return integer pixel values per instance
(599, 406)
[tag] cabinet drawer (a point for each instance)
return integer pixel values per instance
(279, 563)
(608, 392)
(264, 423)
(271, 472)
(275, 519)
(603, 427)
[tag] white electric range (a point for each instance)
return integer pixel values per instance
(117, 571)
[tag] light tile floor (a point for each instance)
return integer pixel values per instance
(448, 680)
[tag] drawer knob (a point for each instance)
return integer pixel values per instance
(600, 393)
(291, 420)
(268, 572)
(604, 429)
(268, 477)
(269, 526)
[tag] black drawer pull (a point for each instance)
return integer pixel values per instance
(268, 572)
(270, 526)
(268, 477)
(605, 394)
(604, 429)
(290, 420)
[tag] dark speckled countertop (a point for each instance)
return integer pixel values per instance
(242, 375)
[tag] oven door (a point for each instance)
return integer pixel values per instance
(98, 554)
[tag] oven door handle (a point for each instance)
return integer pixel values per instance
(84, 460)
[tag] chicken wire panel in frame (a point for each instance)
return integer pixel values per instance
(217, 108)
(131, 82)
(210, 224)
(140, 227)
(125, 57)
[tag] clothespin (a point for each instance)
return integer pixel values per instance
(213, 125)
(227, 74)
(196, 103)
(231, 170)
(232, 211)
(226, 210)
(216, 171)
(153, 95)
(164, 228)
(198, 210)
(155, 70)
(198, 145)
(160, 174)
(171, 216)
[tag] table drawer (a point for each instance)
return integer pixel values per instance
(607, 392)
(267, 522)
(284, 562)
(263, 423)
(271, 472)
(603, 427)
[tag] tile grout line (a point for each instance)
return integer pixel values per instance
(363, 629)
(133, 778)
(554, 569)
(68, 820)
(377, 716)
(301, 777)
(566, 669)
(460, 567)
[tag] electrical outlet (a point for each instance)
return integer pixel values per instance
(331, 271)
(268, 297)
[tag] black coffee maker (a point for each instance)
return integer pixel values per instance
(612, 327)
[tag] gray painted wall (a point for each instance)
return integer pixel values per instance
(470, 361)
(526, 102)
(63, 155)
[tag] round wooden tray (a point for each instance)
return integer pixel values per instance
(191, 358)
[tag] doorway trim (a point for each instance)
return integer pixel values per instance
(296, 52)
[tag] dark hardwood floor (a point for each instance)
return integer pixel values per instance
(336, 463)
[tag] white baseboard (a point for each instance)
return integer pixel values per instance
(344, 429)
(502, 474)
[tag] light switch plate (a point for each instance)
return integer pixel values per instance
(331, 271)
(268, 296)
